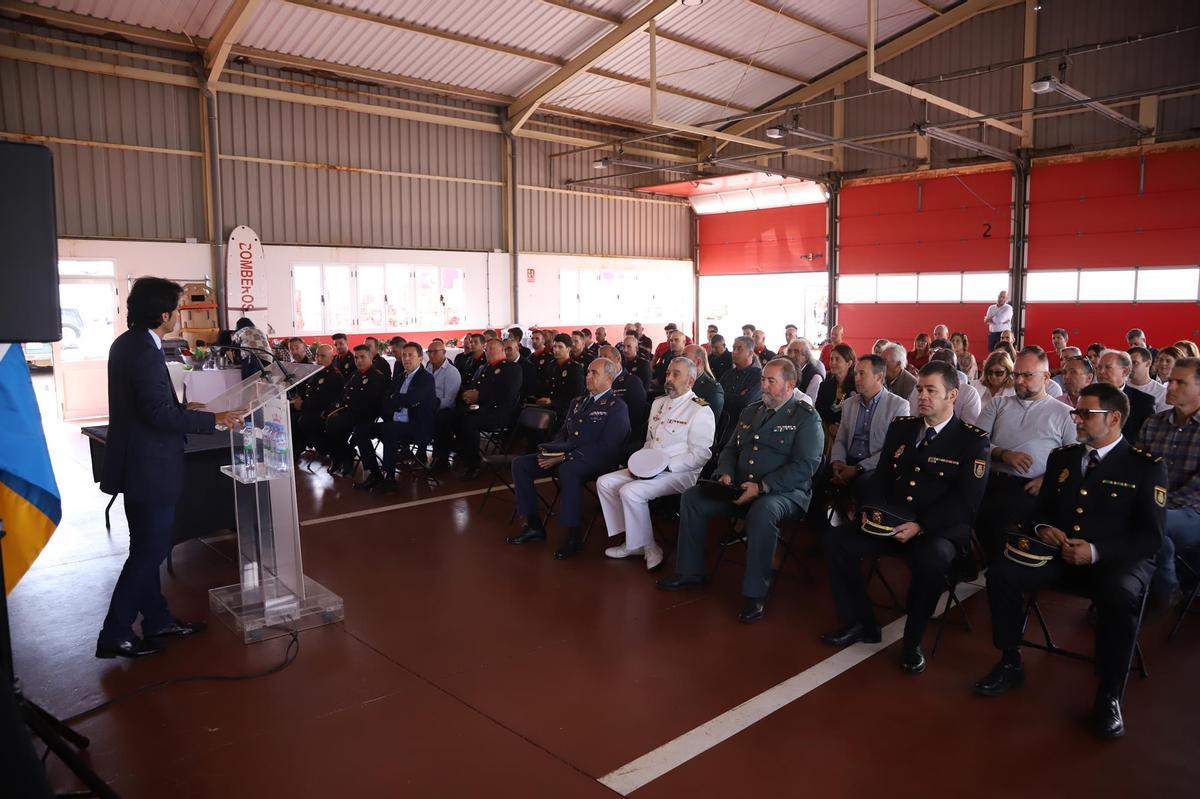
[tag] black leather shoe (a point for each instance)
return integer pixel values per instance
(913, 660)
(372, 480)
(527, 535)
(855, 633)
(133, 648)
(569, 550)
(752, 611)
(178, 629)
(1001, 679)
(1107, 722)
(679, 583)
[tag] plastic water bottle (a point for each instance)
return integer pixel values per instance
(282, 462)
(249, 454)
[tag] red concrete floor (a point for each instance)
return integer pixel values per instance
(467, 667)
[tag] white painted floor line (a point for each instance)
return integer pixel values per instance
(672, 755)
(412, 504)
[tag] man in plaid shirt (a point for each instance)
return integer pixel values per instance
(1174, 435)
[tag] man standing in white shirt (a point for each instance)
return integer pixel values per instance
(998, 318)
(1139, 378)
(682, 427)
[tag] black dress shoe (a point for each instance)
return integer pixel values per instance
(679, 583)
(372, 480)
(133, 648)
(527, 535)
(1106, 717)
(178, 629)
(855, 633)
(569, 550)
(752, 610)
(1001, 679)
(913, 660)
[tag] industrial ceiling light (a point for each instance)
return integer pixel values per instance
(1050, 84)
(776, 132)
(966, 143)
(601, 163)
(690, 3)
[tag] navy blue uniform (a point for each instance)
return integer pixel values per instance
(628, 388)
(592, 437)
(639, 366)
(742, 387)
(712, 392)
(499, 387)
(562, 383)
(317, 395)
(355, 414)
(144, 461)
(720, 364)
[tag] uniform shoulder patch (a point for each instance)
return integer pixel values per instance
(905, 418)
(1065, 446)
(979, 431)
(1150, 456)
(700, 402)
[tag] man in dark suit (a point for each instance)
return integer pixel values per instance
(934, 468)
(516, 334)
(675, 343)
(487, 404)
(1103, 505)
(587, 446)
(144, 461)
(408, 411)
(720, 359)
(1114, 368)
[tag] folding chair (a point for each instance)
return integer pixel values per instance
(962, 570)
(788, 532)
(532, 420)
(1185, 607)
(1048, 645)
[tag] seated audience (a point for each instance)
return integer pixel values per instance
(706, 386)
(489, 403)
(790, 333)
(1106, 539)
(314, 397)
(563, 380)
(1164, 364)
(580, 349)
(378, 363)
(517, 334)
(676, 341)
(628, 388)
(719, 357)
(587, 446)
(529, 372)
(962, 351)
(343, 357)
(968, 401)
(996, 380)
(636, 360)
(760, 346)
(1187, 349)
(931, 476)
(1077, 375)
(918, 356)
(396, 347)
(771, 457)
(408, 411)
(298, 350)
(1139, 377)
(742, 385)
(836, 336)
(800, 353)
(1136, 337)
(1093, 353)
(355, 413)
(447, 381)
(836, 386)
(682, 427)
(898, 380)
(473, 357)
(1114, 369)
(1058, 341)
(1065, 354)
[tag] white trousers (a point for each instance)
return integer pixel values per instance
(625, 500)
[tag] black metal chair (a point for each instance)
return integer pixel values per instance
(962, 570)
(785, 539)
(1185, 607)
(531, 420)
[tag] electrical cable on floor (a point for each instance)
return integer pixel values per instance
(289, 656)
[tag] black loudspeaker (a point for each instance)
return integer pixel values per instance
(29, 309)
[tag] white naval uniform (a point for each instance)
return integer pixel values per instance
(684, 428)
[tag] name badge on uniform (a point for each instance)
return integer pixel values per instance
(898, 452)
(1063, 475)
(783, 428)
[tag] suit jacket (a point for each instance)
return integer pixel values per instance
(1141, 408)
(890, 406)
(781, 450)
(942, 483)
(593, 435)
(712, 392)
(530, 380)
(420, 400)
(499, 389)
(1123, 501)
(147, 423)
(904, 384)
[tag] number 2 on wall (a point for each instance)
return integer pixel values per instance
(987, 230)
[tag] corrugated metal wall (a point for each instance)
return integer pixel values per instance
(118, 191)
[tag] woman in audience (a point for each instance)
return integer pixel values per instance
(1167, 357)
(997, 378)
(1093, 353)
(966, 361)
(837, 385)
(1187, 348)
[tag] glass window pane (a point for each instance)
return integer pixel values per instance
(398, 311)
(428, 298)
(856, 288)
(81, 268)
(1052, 286)
(939, 287)
(306, 296)
(454, 297)
(339, 299)
(87, 318)
(896, 288)
(371, 288)
(1106, 284)
(1168, 284)
(983, 286)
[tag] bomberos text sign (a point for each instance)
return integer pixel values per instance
(245, 272)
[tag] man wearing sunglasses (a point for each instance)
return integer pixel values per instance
(1103, 505)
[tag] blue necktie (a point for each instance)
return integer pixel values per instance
(930, 434)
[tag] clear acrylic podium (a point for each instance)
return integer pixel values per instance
(273, 596)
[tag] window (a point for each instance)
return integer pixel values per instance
(939, 287)
(983, 286)
(398, 310)
(1168, 284)
(1107, 284)
(856, 288)
(1052, 286)
(308, 304)
(896, 288)
(377, 298)
(71, 267)
(372, 291)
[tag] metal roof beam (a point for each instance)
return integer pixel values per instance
(232, 24)
(775, 7)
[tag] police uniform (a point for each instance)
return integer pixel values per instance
(720, 364)
(562, 383)
(742, 387)
(380, 364)
(940, 480)
(627, 387)
(468, 367)
(584, 358)
(542, 359)
(1119, 507)
(712, 392)
(591, 435)
(355, 411)
(499, 387)
(317, 395)
(638, 366)
(778, 449)
(344, 364)
(683, 428)
(530, 381)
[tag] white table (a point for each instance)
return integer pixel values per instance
(203, 385)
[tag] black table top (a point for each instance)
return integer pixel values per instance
(196, 442)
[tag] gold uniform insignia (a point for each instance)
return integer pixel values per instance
(564, 373)
(896, 455)
(497, 371)
(980, 468)
(1160, 496)
(1063, 475)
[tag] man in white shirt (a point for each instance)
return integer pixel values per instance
(998, 318)
(1024, 429)
(446, 382)
(1139, 378)
(682, 426)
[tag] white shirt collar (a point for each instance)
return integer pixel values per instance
(1102, 451)
(601, 394)
(937, 429)
(155, 337)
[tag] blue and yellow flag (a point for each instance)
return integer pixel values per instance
(30, 504)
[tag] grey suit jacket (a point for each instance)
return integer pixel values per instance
(905, 384)
(890, 406)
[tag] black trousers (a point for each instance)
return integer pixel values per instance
(467, 425)
(928, 556)
(443, 433)
(1115, 588)
(138, 590)
(1005, 504)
